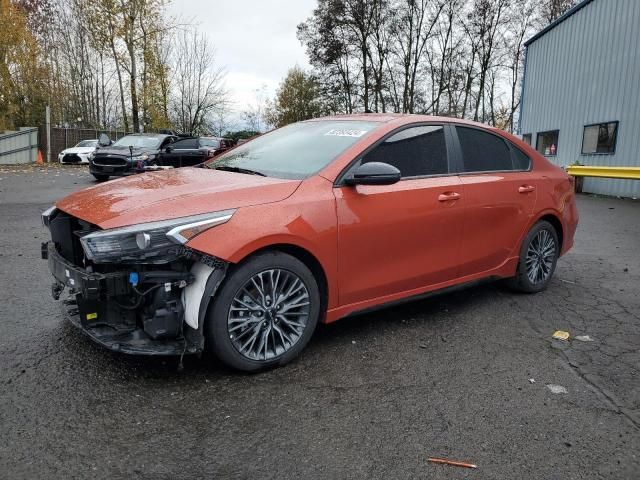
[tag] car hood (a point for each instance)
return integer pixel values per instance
(169, 194)
(78, 150)
(121, 150)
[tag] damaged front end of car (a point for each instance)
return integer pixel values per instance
(136, 289)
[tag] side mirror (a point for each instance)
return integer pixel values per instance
(169, 149)
(374, 173)
(104, 140)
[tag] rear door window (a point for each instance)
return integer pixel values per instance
(185, 144)
(415, 151)
(483, 151)
(209, 142)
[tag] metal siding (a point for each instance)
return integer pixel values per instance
(18, 147)
(587, 70)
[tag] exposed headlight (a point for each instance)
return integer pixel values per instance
(140, 158)
(47, 215)
(148, 242)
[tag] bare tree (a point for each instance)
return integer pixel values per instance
(522, 23)
(199, 84)
(330, 49)
(486, 19)
(416, 20)
(124, 63)
(455, 57)
(378, 53)
(256, 116)
(552, 9)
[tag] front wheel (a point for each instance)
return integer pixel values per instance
(538, 257)
(265, 313)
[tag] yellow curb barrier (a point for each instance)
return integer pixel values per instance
(626, 173)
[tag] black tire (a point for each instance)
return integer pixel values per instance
(100, 178)
(216, 328)
(522, 281)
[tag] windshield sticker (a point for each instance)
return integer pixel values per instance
(342, 132)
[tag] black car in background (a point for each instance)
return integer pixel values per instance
(131, 154)
(187, 152)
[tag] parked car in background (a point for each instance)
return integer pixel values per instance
(245, 140)
(309, 223)
(78, 154)
(187, 152)
(131, 154)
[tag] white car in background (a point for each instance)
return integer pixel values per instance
(78, 154)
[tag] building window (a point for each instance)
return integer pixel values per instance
(600, 138)
(547, 143)
(526, 138)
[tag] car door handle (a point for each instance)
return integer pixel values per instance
(446, 197)
(526, 188)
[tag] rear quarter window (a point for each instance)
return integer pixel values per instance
(520, 159)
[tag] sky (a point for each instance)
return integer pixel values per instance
(255, 41)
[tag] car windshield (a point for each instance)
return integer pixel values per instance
(295, 151)
(209, 142)
(139, 141)
(87, 143)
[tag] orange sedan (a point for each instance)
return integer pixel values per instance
(309, 223)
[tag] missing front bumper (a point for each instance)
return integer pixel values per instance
(133, 341)
(110, 310)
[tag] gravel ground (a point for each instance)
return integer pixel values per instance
(462, 376)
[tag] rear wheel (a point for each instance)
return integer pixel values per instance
(538, 257)
(100, 178)
(265, 313)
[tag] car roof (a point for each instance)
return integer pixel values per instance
(159, 135)
(368, 117)
(401, 119)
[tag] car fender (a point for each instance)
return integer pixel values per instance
(561, 198)
(539, 216)
(306, 220)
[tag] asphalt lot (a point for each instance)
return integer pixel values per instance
(371, 397)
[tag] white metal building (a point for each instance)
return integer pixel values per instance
(581, 91)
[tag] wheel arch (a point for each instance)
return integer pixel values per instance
(309, 260)
(555, 221)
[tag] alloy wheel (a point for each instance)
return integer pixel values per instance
(540, 257)
(268, 314)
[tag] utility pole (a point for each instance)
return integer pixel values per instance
(48, 125)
